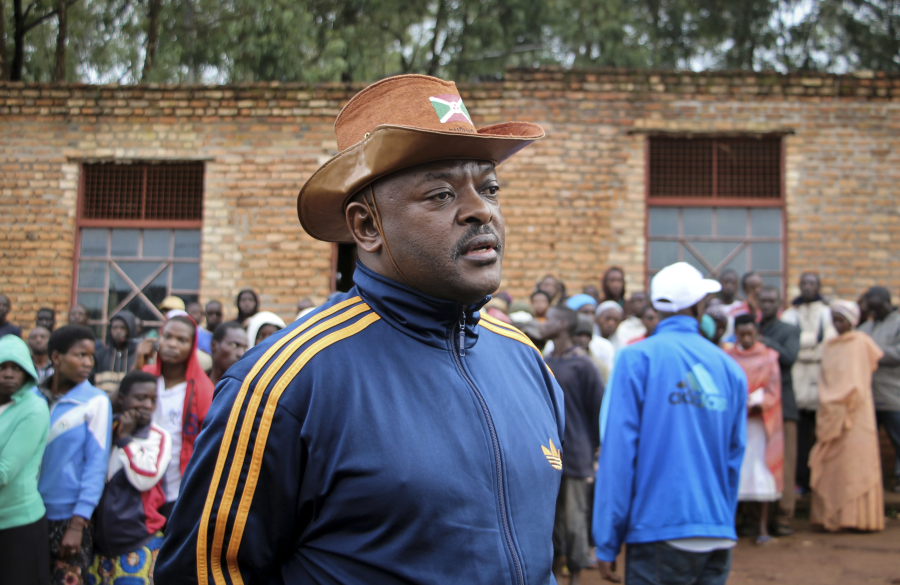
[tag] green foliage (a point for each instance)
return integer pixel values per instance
(217, 41)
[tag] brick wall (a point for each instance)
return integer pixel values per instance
(574, 202)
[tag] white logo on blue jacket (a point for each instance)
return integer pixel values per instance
(698, 389)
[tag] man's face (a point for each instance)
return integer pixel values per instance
(809, 287)
(176, 341)
(118, 331)
(5, 307)
(553, 326)
(75, 365)
(46, 319)
(195, 312)
(247, 303)
(752, 286)
(650, 319)
(608, 321)
(78, 316)
(213, 315)
(729, 282)
(638, 302)
(37, 340)
(227, 352)
(141, 400)
(769, 301)
(746, 335)
(443, 225)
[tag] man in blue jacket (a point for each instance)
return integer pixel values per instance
(673, 426)
(395, 434)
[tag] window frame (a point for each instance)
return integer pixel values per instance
(140, 224)
(716, 201)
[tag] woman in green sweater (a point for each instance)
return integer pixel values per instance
(24, 424)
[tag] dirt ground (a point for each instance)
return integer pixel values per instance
(811, 558)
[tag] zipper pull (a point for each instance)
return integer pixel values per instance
(462, 335)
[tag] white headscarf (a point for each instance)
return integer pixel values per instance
(609, 306)
(256, 322)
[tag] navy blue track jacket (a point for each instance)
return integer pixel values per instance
(387, 437)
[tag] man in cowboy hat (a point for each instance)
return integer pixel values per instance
(396, 434)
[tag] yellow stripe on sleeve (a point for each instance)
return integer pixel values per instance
(240, 450)
(521, 338)
(225, 446)
(262, 435)
(505, 330)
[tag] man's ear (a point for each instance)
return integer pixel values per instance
(54, 359)
(362, 227)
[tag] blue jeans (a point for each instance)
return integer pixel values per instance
(891, 421)
(657, 563)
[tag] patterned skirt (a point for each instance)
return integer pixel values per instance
(133, 568)
(71, 571)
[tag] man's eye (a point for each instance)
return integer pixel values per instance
(445, 196)
(493, 190)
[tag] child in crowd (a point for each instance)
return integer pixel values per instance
(127, 533)
(24, 424)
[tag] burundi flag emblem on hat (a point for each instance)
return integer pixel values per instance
(450, 108)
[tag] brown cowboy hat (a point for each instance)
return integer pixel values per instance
(394, 124)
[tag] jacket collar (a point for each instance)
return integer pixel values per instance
(428, 319)
(76, 395)
(679, 323)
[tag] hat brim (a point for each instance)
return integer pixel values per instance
(705, 287)
(320, 203)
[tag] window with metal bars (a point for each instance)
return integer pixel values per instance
(709, 167)
(142, 192)
(716, 203)
(139, 239)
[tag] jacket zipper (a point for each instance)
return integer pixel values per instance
(504, 517)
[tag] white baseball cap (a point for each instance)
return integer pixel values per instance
(680, 286)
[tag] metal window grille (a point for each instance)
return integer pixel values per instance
(142, 192)
(723, 167)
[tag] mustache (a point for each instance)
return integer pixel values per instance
(472, 232)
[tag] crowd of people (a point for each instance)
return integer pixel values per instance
(820, 376)
(820, 379)
(423, 428)
(95, 435)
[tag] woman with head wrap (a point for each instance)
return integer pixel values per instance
(845, 464)
(262, 325)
